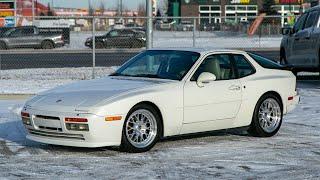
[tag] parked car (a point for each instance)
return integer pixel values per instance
(300, 45)
(119, 38)
(135, 26)
(210, 27)
(161, 93)
(29, 37)
(185, 26)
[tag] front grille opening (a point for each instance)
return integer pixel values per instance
(56, 135)
(51, 128)
(47, 117)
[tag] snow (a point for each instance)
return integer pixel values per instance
(292, 154)
(185, 39)
(32, 81)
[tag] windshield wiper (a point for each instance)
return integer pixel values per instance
(147, 76)
(138, 75)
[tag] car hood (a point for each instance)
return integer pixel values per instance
(89, 93)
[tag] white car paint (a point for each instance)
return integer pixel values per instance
(184, 106)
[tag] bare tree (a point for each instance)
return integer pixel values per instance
(142, 9)
(102, 8)
(91, 9)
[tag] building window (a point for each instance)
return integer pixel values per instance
(208, 14)
(204, 8)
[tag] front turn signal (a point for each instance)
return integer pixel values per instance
(113, 118)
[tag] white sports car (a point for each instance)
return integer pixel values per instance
(161, 93)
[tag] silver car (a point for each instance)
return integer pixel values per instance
(300, 45)
(29, 37)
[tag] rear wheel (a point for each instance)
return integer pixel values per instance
(267, 117)
(136, 44)
(47, 45)
(141, 129)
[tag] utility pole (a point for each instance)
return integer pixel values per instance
(33, 14)
(15, 12)
(119, 7)
(149, 24)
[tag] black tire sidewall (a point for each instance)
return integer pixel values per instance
(126, 145)
(99, 45)
(255, 128)
(47, 45)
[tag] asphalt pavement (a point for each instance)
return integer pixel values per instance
(13, 59)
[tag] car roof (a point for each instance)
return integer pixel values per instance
(315, 8)
(201, 50)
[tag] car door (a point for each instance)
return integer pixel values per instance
(217, 100)
(296, 52)
(311, 39)
(28, 37)
(127, 38)
(113, 38)
(14, 38)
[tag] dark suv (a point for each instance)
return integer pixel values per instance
(300, 45)
(119, 38)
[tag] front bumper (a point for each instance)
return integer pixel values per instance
(59, 44)
(101, 133)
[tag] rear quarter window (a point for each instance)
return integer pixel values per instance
(244, 68)
(265, 62)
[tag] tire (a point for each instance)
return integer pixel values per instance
(47, 45)
(99, 45)
(136, 44)
(264, 122)
(135, 131)
(3, 46)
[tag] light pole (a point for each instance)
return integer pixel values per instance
(149, 24)
(33, 12)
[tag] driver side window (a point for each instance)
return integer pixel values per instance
(299, 25)
(114, 33)
(219, 65)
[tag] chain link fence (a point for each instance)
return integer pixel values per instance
(54, 50)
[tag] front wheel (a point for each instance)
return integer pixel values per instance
(141, 129)
(47, 45)
(267, 117)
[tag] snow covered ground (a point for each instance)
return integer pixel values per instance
(292, 154)
(185, 39)
(32, 81)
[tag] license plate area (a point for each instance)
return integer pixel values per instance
(47, 124)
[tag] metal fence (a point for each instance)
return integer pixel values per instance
(62, 48)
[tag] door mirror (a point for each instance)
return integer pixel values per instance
(287, 31)
(205, 78)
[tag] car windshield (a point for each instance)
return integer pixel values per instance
(264, 62)
(162, 64)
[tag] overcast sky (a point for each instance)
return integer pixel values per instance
(131, 4)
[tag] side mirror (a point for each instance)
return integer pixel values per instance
(287, 31)
(205, 78)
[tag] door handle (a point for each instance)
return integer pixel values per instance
(234, 88)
